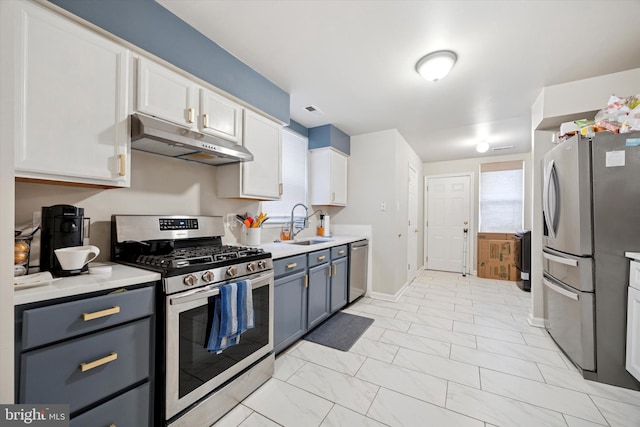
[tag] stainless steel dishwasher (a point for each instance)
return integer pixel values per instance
(358, 266)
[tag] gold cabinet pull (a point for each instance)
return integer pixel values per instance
(101, 313)
(191, 113)
(280, 188)
(329, 271)
(320, 258)
(84, 367)
(292, 265)
(306, 280)
(205, 120)
(341, 252)
(334, 269)
(122, 164)
(112, 425)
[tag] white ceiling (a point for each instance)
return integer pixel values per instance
(355, 60)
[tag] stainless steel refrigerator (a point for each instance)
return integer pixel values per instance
(591, 207)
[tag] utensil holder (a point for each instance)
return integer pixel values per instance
(251, 236)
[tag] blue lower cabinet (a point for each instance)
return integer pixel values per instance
(93, 352)
(84, 370)
(339, 283)
(308, 289)
(129, 409)
(290, 310)
(319, 293)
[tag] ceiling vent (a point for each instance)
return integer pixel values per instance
(313, 110)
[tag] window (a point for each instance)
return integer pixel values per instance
(294, 179)
(501, 197)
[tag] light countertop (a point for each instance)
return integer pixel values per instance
(283, 250)
(120, 276)
(123, 275)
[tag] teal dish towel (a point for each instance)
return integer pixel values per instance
(232, 315)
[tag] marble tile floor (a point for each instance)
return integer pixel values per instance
(453, 351)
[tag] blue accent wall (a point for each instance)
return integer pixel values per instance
(329, 136)
(298, 128)
(153, 28)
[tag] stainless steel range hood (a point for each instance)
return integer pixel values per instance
(161, 137)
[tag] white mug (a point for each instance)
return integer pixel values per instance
(76, 257)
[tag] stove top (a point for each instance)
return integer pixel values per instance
(186, 250)
(190, 259)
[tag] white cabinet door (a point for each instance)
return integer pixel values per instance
(261, 178)
(70, 95)
(220, 116)
(328, 177)
(633, 333)
(263, 138)
(165, 94)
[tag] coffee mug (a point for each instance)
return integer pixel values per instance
(76, 257)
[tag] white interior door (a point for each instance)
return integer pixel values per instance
(412, 231)
(448, 208)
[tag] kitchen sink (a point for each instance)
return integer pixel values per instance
(307, 242)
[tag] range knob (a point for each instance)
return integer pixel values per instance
(232, 271)
(262, 264)
(251, 266)
(208, 276)
(190, 280)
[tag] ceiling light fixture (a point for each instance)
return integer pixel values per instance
(436, 65)
(482, 147)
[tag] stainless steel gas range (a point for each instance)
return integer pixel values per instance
(195, 386)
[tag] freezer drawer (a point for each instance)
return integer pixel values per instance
(577, 272)
(569, 318)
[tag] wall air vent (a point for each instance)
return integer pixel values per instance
(504, 147)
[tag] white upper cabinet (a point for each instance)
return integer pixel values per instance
(220, 116)
(328, 172)
(70, 96)
(167, 95)
(261, 178)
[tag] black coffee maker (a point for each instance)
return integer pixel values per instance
(61, 228)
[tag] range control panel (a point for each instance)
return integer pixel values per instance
(178, 223)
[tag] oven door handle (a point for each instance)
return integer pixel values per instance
(213, 290)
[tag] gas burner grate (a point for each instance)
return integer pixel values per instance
(185, 257)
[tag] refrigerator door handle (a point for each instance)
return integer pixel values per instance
(560, 290)
(556, 186)
(545, 200)
(566, 261)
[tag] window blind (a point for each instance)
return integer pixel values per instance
(501, 196)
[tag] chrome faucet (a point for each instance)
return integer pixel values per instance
(304, 223)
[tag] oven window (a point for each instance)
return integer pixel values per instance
(197, 365)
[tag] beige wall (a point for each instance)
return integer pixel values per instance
(378, 173)
(472, 166)
(159, 185)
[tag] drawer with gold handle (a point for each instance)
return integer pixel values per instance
(102, 361)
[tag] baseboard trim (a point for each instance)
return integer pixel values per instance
(386, 297)
(536, 322)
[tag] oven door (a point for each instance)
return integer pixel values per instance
(191, 371)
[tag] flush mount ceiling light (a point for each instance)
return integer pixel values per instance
(482, 147)
(436, 65)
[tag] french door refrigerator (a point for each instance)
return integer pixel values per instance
(591, 209)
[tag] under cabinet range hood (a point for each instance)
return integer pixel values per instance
(161, 137)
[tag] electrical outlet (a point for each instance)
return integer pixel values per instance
(383, 206)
